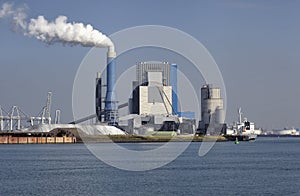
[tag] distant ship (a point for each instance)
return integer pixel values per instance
(243, 130)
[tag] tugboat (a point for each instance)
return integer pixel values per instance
(241, 130)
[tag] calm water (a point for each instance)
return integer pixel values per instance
(268, 166)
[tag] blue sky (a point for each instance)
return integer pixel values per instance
(256, 45)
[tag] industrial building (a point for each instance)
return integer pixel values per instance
(212, 111)
(154, 102)
(152, 93)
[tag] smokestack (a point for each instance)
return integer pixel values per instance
(111, 108)
(99, 96)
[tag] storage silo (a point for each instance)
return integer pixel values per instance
(212, 112)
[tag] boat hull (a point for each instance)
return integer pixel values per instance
(241, 137)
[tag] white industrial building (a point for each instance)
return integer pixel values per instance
(151, 107)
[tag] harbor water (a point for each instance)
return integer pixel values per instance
(268, 166)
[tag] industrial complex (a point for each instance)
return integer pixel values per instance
(153, 109)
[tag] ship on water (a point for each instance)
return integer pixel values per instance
(243, 130)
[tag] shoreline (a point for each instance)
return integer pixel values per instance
(21, 138)
(10, 138)
(150, 139)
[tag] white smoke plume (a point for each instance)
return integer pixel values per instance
(17, 16)
(6, 10)
(58, 30)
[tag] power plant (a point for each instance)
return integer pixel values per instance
(153, 107)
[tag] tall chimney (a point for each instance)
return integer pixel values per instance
(111, 108)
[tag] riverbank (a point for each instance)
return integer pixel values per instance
(144, 139)
(21, 138)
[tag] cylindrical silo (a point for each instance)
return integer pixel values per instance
(211, 101)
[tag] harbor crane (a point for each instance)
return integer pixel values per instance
(14, 119)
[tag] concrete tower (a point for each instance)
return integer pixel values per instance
(212, 112)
